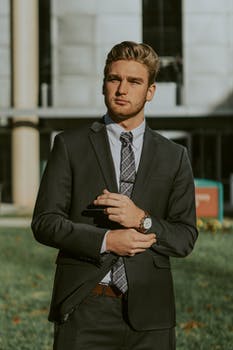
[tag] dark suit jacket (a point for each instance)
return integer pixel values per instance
(79, 168)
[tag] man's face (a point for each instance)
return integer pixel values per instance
(126, 90)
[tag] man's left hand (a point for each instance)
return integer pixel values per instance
(120, 208)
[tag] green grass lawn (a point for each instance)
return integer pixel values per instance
(26, 275)
(204, 294)
(203, 285)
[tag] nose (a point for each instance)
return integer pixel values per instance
(122, 87)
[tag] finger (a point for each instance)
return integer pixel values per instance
(113, 210)
(151, 235)
(141, 237)
(109, 195)
(135, 251)
(113, 195)
(114, 218)
(144, 245)
(106, 201)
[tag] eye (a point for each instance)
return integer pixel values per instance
(135, 82)
(113, 79)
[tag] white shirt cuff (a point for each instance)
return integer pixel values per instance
(103, 247)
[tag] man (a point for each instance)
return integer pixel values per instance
(117, 200)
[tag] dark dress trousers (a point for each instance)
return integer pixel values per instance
(79, 168)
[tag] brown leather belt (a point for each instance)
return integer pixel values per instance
(110, 291)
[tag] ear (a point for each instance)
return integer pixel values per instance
(150, 92)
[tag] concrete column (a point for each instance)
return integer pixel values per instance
(25, 136)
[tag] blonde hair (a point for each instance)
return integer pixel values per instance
(142, 53)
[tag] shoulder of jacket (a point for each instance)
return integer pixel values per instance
(165, 142)
(79, 133)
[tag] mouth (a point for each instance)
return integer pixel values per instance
(121, 102)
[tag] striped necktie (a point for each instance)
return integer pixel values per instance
(127, 179)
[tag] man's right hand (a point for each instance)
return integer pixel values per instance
(128, 241)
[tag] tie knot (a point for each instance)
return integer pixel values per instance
(126, 138)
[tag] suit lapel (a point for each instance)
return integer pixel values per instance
(146, 165)
(99, 140)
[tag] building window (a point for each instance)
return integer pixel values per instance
(5, 166)
(44, 53)
(162, 29)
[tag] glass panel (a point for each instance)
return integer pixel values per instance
(162, 29)
(44, 53)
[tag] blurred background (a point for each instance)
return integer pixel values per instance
(52, 54)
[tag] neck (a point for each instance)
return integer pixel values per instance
(129, 123)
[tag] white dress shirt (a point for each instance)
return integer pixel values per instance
(114, 131)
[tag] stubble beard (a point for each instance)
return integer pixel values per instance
(118, 114)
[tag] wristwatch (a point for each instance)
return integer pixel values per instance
(145, 223)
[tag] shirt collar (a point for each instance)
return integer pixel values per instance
(114, 130)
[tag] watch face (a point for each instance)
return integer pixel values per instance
(147, 223)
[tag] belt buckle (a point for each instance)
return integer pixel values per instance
(104, 288)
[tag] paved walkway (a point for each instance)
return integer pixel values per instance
(11, 217)
(14, 222)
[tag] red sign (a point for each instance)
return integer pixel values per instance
(207, 201)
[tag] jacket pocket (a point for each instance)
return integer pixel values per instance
(161, 262)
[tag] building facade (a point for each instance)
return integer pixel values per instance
(194, 99)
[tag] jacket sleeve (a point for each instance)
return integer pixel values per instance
(51, 224)
(177, 233)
